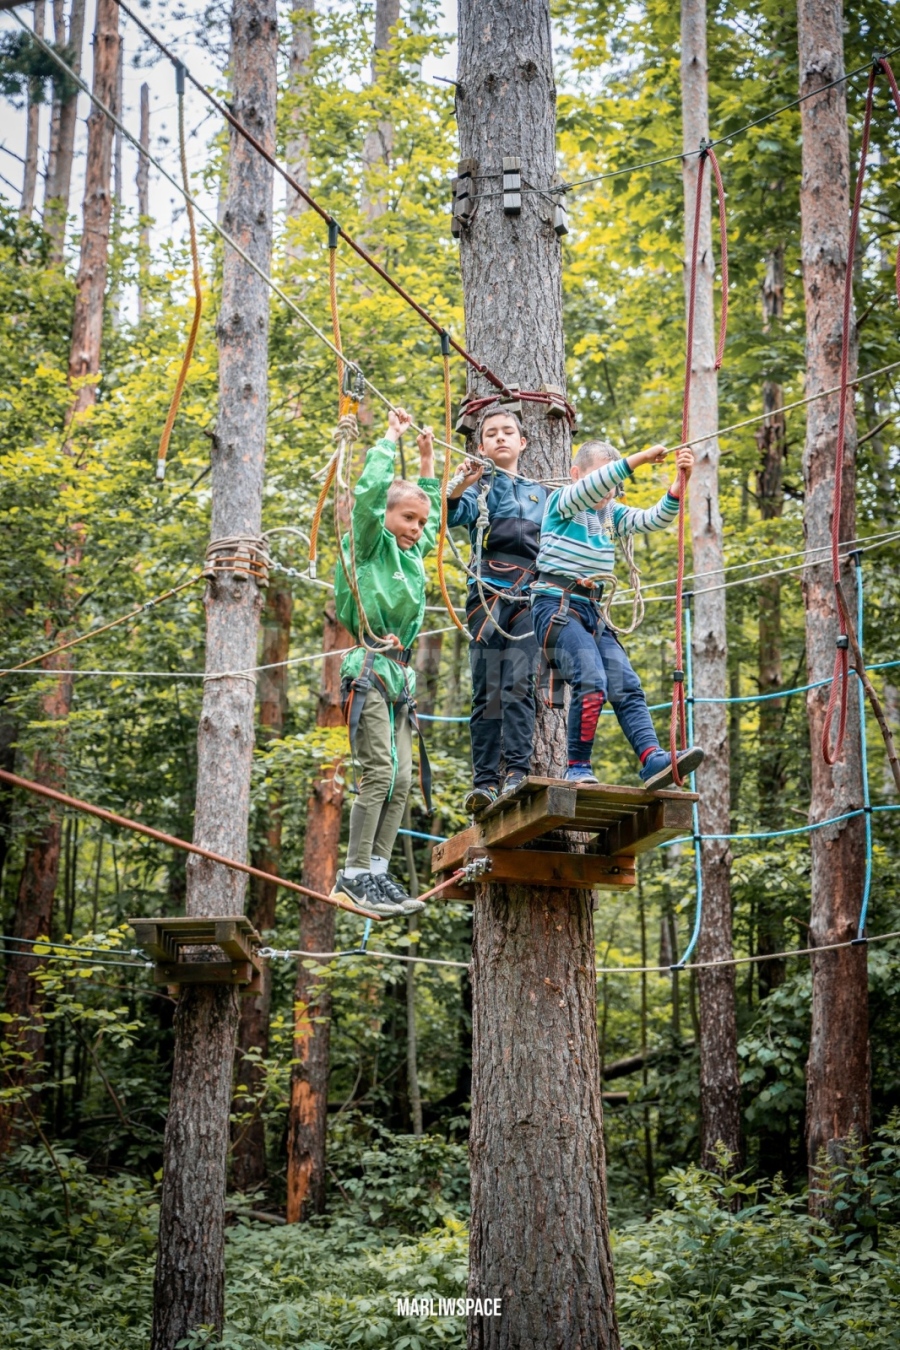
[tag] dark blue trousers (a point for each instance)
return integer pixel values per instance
(503, 695)
(592, 661)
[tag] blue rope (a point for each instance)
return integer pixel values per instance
(864, 758)
(417, 834)
(740, 698)
(695, 811)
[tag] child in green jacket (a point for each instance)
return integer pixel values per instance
(394, 525)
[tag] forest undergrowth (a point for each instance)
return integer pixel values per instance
(719, 1265)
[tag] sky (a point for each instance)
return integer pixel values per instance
(141, 65)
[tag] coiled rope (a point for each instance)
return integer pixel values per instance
(678, 722)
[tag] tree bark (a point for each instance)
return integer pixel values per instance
(838, 1099)
(40, 873)
(428, 671)
(189, 1285)
(59, 181)
(249, 1151)
(772, 441)
(32, 127)
(59, 37)
(308, 1117)
(539, 1234)
(297, 148)
(90, 285)
(379, 142)
(719, 1079)
(142, 182)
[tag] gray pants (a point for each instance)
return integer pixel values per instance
(384, 771)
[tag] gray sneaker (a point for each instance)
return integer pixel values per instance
(392, 890)
(363, 890)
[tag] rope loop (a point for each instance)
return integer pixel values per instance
(243, 555)
(347, 430)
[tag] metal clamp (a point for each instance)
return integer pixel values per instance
(475, 870)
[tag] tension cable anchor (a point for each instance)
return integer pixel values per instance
(475, 870)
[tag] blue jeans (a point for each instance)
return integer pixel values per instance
(503, 697)
(592, 661)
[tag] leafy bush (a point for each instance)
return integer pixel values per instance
(699, 1276)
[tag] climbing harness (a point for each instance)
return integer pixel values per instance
(195, 274)
(837, 699)
(354, 693)
(678, 722)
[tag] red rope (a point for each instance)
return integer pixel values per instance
(125, 824)
(886, 67)
(474, 406)
(678, 720)
(839, 693)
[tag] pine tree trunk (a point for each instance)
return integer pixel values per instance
(379, 142)
(249, 1151)
(32, 128)
(56, 199)
(87, 325)
(142, 182)
(719, 1080)
(297, 148)
(189, 1286)
(428, 670)
(40, 873)
(308, 1117)
(539, 1235)
(772, 441)
(59, 37)
(837, 1086)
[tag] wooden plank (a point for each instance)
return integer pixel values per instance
(664, 820)
(538, 867)
(233, 942)
(204, 972)
(446, 856)
(619, 795)
(530, 817)
(152, 940)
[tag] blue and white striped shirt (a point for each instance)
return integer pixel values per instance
(580, 526)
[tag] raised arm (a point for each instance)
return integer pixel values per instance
(593, 489)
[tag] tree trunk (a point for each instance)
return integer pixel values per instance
(189, 1286)
(32, 127)
(56, 198)
(412, 1040)
(772, 441)
(539, 1235)
(307, 1121)
(90, 285)
(40, 873)
(297, 148)
(428, 670)
(115, 297)
(142, 182)
(379, 142)
(719, 1080)
(838, 1098)
(59, 37)
(249, 1152)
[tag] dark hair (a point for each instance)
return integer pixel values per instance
(498, 410)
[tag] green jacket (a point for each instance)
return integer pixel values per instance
(391, 580)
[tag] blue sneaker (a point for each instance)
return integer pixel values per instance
(656, 771)
(580, 773)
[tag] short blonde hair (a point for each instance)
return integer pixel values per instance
(401, 487)
(592, 453)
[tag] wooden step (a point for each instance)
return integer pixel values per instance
(167, 940)
(619, 821)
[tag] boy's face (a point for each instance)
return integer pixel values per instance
(406, 519)
(502, 441)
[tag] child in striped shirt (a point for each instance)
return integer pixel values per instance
(581, 523)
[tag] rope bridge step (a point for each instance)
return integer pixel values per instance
(181, 949)
(510, 838)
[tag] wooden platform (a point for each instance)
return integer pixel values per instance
(166, 940)
(620, 823)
